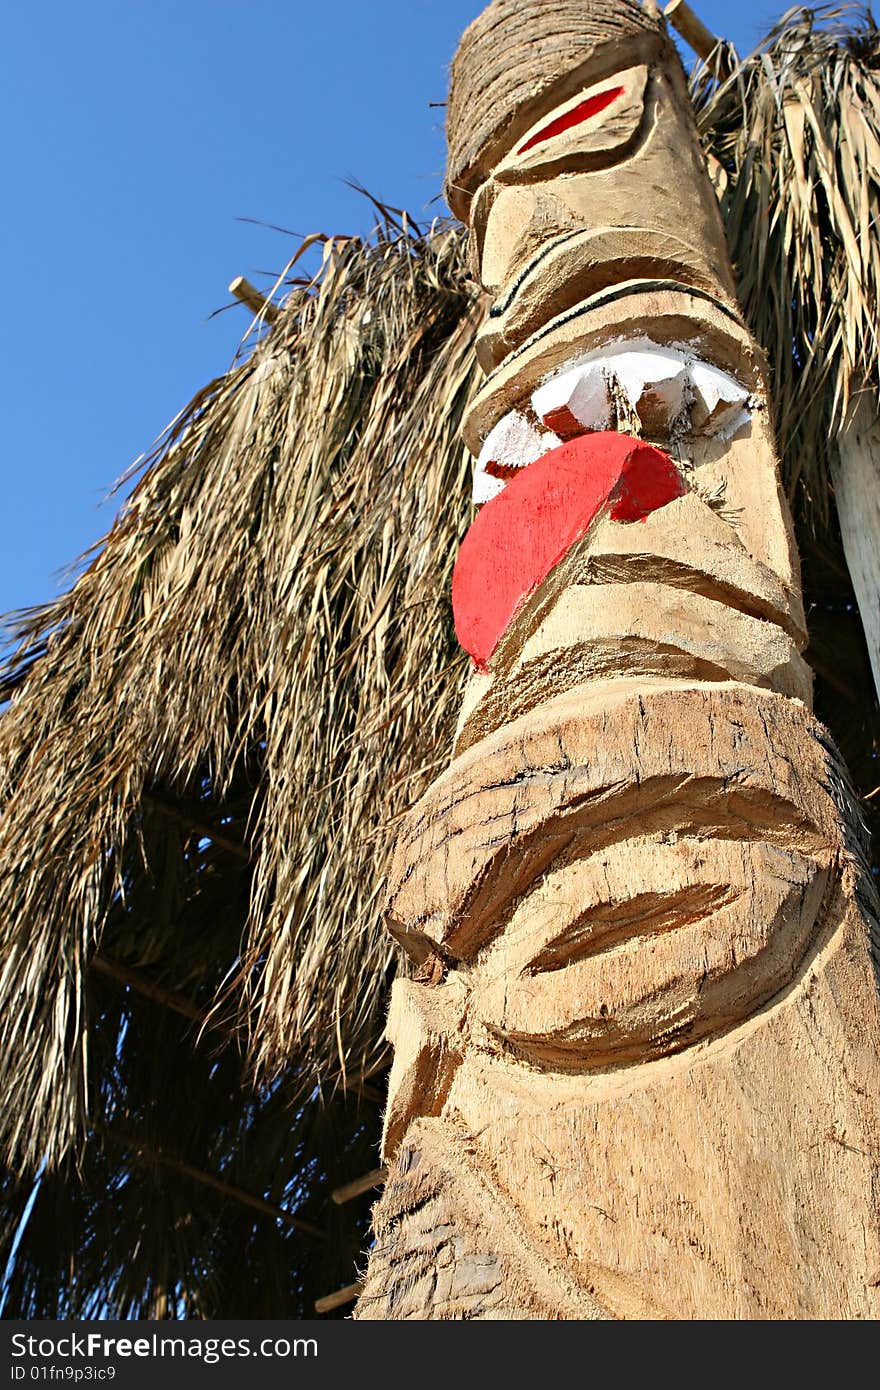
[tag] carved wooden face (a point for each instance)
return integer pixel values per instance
(606, 190)
(660, 873)
(611, 883)
(620, 861)
(647, 944)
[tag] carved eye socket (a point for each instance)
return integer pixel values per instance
(590, 130)
(649, 944)
(584, 111)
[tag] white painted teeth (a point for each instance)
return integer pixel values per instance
(719, 402)
(654, 382)
(574, 401)
(512, 444)
(673, 394)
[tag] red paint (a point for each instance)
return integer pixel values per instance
(564, 422)
(590, 106)
(518, 537)
(503, 470)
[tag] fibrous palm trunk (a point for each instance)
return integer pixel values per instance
(638, 1068)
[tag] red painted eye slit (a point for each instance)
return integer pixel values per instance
(590, 106)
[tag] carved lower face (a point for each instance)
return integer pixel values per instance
(640, 916)
(593, 918)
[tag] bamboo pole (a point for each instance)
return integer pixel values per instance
(178, 1003)
(226, 1189)
(124, 975)
(349, 1190)
(366, 1092)
(201, 828)
(248, 294)
(338, 1299)
(692, 29)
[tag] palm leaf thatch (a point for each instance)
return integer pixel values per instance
(209, 735)
(209, 738)
(796, 130)
(254, 652)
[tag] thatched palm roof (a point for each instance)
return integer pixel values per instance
(796, 129)
(210, 736)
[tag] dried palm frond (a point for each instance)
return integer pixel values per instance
(796, 127)
(260, 649)
(195, 1195)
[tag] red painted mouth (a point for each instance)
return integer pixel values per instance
(518, 537)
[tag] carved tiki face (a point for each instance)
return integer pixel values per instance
(620, 904)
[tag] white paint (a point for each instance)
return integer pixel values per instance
(719, 401)
(582, 390)
(731, 424)
(513, 443)
(655, 373)
(689, 395)
(665, 385)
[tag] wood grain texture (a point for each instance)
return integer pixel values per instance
(450, 1246)
(531, 222)
(730, 1180)
(660, 311)
(665, 756)
(736, 1180)
(656, 1020)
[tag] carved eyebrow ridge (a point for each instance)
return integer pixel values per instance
(590, 106)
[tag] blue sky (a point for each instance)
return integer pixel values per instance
(136, 134)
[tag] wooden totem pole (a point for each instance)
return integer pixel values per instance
(636, 1072)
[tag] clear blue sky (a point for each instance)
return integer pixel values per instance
(135, 134)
